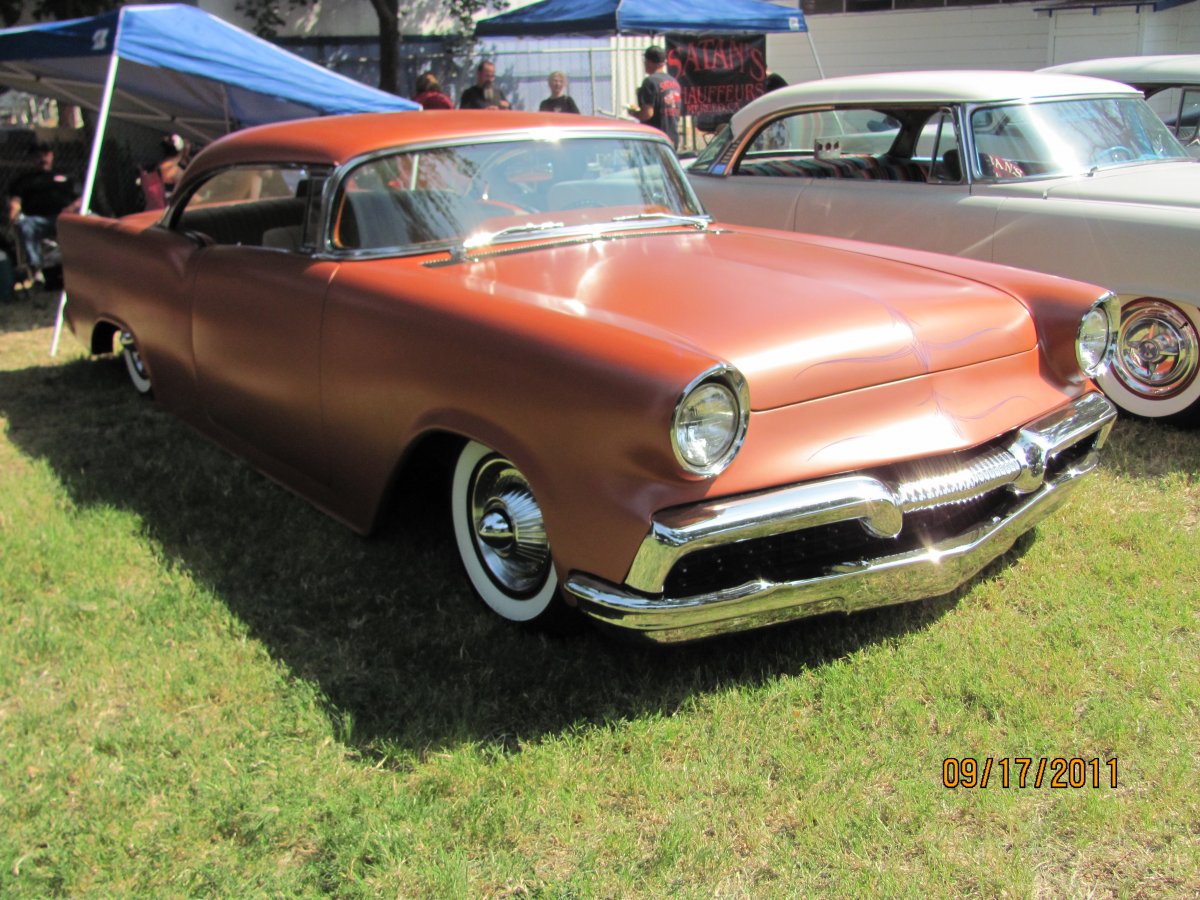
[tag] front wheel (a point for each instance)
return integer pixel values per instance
(501, 536)
(1156, 363)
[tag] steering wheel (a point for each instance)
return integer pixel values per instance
(479, 189)
(1116, 153)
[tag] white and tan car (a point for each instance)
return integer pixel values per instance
(1063, 174)
(1171, 85)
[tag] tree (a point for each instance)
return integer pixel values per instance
(53, 10)
(268, 16)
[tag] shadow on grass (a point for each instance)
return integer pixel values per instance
(1145, 450)
(406, 658)
(28, 311)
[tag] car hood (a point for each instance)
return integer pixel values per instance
(1156, 184)
(801, 320)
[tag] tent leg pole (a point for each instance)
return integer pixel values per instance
(592, 75)
(58, 321)
(816, 59)
(89, 184)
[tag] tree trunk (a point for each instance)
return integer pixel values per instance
(388, 12)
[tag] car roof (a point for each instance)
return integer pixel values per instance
(331, 140)
(944, 86)
(1183, 68)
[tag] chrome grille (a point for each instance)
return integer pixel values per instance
(929, 483)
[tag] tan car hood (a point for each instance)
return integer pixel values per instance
(1153, 184)
(800, 321)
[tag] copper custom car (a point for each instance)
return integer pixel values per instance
(679, 427)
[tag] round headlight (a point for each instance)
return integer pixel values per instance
(1093, 341)
(709, 424)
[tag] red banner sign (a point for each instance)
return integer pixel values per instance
(718, 74)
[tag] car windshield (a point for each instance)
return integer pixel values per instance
(424, 199)
(1027, 140)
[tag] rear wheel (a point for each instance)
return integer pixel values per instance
(501, 536)
(134, 363)
(1155, 370)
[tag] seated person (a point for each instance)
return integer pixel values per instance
(35, 201)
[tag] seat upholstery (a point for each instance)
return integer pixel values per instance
(244, 224)
(872, 168)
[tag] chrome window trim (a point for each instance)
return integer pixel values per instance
(560, 239)
(333, 184)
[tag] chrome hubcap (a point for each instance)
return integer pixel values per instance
(1158, 351)
(509, 531)
(130, 347)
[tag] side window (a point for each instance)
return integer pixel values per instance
(253, 206)
(1179, 107)
(937, 149)
(790, 144)
(712, 152)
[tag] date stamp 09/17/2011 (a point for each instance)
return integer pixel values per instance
(1028, 771)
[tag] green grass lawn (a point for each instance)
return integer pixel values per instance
(208, 687)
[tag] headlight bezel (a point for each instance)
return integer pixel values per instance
(1109, 307)
(729, 378)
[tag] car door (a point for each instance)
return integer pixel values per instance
(257, 300)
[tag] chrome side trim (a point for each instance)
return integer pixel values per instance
(911, 575)
(880, 507)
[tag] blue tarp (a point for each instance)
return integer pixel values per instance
(180, 69)
(604, 17)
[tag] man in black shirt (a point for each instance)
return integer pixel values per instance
(35, 200)
(484, 94)
(658, 96)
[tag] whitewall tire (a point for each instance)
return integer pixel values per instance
(1155, 369)
(501, 536)
(134, 363)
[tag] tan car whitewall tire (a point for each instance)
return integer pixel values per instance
(1155, 370)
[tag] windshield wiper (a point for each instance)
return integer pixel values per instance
(488, 237)
(698, 222)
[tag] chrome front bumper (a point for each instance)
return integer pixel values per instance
(1019, 468)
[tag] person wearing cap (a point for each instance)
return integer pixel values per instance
(35, 201)
(658, 97)
(158, 179)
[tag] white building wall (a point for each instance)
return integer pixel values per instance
(990, 37)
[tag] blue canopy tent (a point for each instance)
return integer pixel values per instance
(603, 17)
(599, 18)
(176, 68)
